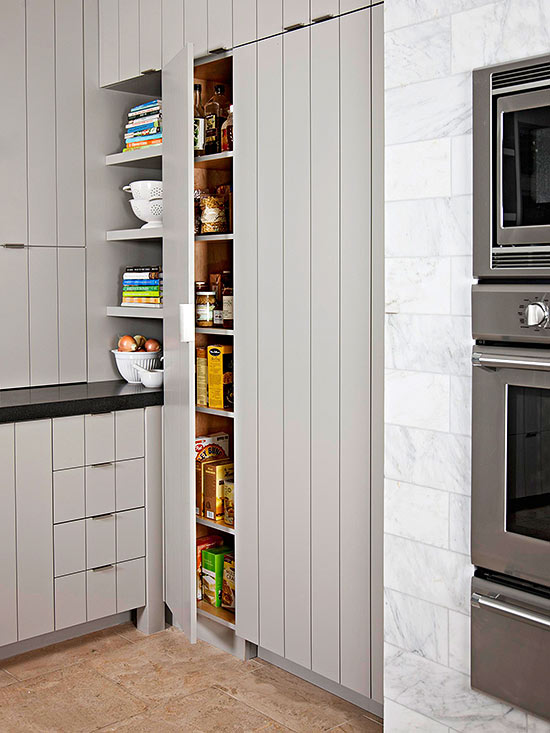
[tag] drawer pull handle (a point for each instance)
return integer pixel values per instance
(101, 567)
(101, 465)
(293, 26)
(320, 18)
(103, 516)
(14, 245)
(523, 614)
(220, 49)
(150, 71)
(101, 412)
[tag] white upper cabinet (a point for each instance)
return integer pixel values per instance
(270, 18)
(150, 35)
(173, 16)
(295, 13)
(323, 9)
(108, 43)
(244, 21)
(196, 26)
(129, 39)
(220, 27)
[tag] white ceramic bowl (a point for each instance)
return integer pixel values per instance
(148, 211)
(144, 190)
(127, 360)
(152, 378)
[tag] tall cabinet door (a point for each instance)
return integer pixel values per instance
(8, 571)
(14, 323)
(179, 388)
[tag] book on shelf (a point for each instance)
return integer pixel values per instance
(143, 268)
(146, 105)
(145, 127)
(142, 305)
(141, 135)
(141, 144)
(143, 282)
(130, 301)
(141, 294)
(148, 120)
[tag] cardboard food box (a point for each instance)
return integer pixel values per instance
(229, 497)
(212, 446)
(199, 483)
(212, 574)
(228, 582)
(202, 376)
(212, 488)
(220, 376)
(205, 543)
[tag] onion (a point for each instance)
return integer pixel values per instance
(140, 340)
(127, 343)
(152, 345)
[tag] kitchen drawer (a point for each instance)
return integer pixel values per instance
(130, 434)
(70, 600)
(130, 484)
(101, 592)
(130, 584)
(100, 489)
(100, 541)
(68, 495)
(68, 442)
(100, 438)
(130, 534)
(69, 543)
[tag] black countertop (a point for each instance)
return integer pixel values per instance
(34, 403)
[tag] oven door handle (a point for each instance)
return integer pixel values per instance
(499, 362)
(510, 610)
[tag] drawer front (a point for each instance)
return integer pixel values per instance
(70, 600)
(68, 442)
(69, 543)
(68, 495)
(130, 434)
(130, 534)
(130, 577)
(100, 541)
(100, 489)
(101, 592)
(130, 484)
(100, 438)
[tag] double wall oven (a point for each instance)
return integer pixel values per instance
(511, 384)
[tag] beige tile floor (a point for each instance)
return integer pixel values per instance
(120, 680)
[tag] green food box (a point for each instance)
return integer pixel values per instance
(212, 574)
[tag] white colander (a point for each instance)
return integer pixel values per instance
(127, 360)
(145, 190)
(148, 211)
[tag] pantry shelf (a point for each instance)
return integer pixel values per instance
(216, 161)
(213, 411)
(122, 235)
(216, 525)
(214, 238)
(149, 157)
(215, 331)
(133, 312)
(220, 615)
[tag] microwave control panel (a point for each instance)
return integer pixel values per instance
(511, 313)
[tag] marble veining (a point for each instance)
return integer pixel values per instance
(418, 399)
(418, 170)
(399, 13)
(416, 512)
(418, 285)
(418, 54)
(399, 719)
(416, 626)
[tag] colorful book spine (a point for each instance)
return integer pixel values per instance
(143, 268)
(146, 105)
(150, 119)
(142, 305)
(139, 282)
(141, 294)
(142, 134)
(142, 300)
(142, 144)
(132, 129)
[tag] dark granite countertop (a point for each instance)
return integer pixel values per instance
(34, 403)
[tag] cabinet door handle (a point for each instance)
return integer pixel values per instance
(150, 71)
(320, 18)
(293, 26)
(103, 516)
(101, 465)
(220, 49)
(101, 567)
(14, 245)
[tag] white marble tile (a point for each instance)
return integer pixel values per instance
(461, 286)
(398, 719)
(537, 725)
(461, 405)
(462, 164)
(459, 642)
(418, 170)
(399, 13)
(416, 626)
(430, 573)
(417, 399)
(428, 458)
(428, 343)
(459, 523)
(429, 110)
(428, 227)
(416, 512)
(418, 53)
(418, 285)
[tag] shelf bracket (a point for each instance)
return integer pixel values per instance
(187, 323)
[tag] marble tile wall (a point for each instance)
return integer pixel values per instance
(431, 47)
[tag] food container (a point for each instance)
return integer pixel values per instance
(144, 190)
(126, 362)
(205, 302)
(150, 377)
(213, 219)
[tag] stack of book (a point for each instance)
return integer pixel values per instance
(142, 286)
(144, 125)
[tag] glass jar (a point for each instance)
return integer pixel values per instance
(213, 219)
(205, 302)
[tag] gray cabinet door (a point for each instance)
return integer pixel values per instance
(269, 18)
(244, 22)
(196, 26)
(8, 570)
(43, 325)
(71, 300)
(14, 324)
(173, 12)
(220, 25)
(323, 9)
(150, 35)
(33, 471)
(179, 398)
(108, 42)
(128, 39)
(295, 13)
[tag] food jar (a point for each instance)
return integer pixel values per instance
(205, 302)
(213, 219)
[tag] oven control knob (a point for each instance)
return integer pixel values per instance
(536, 314)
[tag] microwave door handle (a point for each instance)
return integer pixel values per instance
(498, 362)
(520, 613)
(517, 164)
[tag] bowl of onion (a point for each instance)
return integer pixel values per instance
(136, 351)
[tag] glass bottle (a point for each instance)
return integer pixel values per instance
(227, 299)
(227, 132)
(199, 122)
(216, 111)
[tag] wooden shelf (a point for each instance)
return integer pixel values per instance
(214, 238)
(213, 411)
(216, 525)
(122, 235)
(220, 615)
(148, 157)
(218, 161)
(215, 331)
(135, 311)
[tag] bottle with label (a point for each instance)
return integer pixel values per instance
(216, 112)
(227, 299)
(199, 122)
(227, 132)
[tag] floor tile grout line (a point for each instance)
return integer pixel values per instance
(269, 718)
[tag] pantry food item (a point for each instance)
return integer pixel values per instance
(205, 302)
(198, 124)
(213, 219)
(202, 376)
(216, 285)
(229, 498)
(216, 111)
(215, 445)
(228, 582)
(127, 343)
(220, 376)
(227, 132)
(151, 345)
(212, 574)
(199, 484)
(213, 476)
(205, 543)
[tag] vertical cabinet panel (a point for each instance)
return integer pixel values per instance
(325, 377)
(68, 442)
(323, 9)
(108, 42)
(150, 35)
(270, 17)
(355, 435)
(8, 571)
(129, 434)
(270, 343)
(244, 22)
(69, 100)
(196, 26)
(172, 28)
(41, 123)
(346, 6)
(71, 296)
(246, 335)
(14, 326)
(33, 470)
(220, 27)
(129, 39)
(295, 13)
(43, 327)
(70, 600)
(13, 139)
(296, 346)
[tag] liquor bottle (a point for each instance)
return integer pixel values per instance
(216, 111)
(199, 123)
(227, 299)
(227, 132)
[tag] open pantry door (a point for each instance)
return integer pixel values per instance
(179, 399)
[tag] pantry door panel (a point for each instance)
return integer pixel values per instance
(296, 347)
(245, 260)
(128, 38)
(14, 322)
(179, 388)
(150, 35)
(325, 356)
(43, 325)
(270, 344)
(355, 352)
(172, 29)
(323, 9)
(244, 23)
